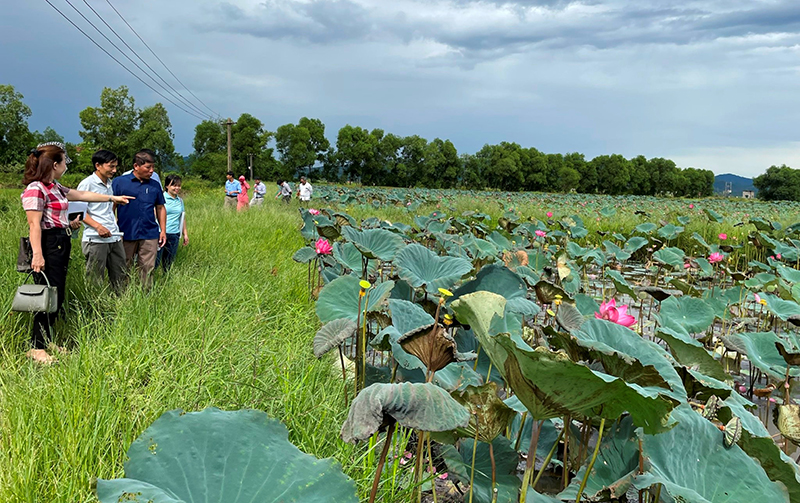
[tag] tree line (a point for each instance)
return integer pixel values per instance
(359, 155)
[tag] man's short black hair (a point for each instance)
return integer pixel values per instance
(103, 157)
(144, 156)
(229, 173)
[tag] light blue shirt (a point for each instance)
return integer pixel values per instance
(233, 188)
(175, 208)
(102, 213)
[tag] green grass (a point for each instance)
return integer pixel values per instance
(220, 330)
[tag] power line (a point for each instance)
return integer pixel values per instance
(159, 59)
(126, 56)
(175, 92)
(117, 61)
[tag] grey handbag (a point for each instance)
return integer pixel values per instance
(36, 298)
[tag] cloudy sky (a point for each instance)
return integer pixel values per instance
(708, 83)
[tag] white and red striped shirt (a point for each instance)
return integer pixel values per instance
(51, 200)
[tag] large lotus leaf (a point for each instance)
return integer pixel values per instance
(645, 228)
(459, 466)
(783, 309)
(489, 416)
(421, 267)
(457, 376)
(757, 442)
(550, 384)
(374, 243)
(332, 335)
(604, 335)
(689, 352)
(433, 346)
(615, 251)
(670, 232)
(304, 255)
(692, 314)
(635, 243)
(503, 281)
(339, 298)
(420, 406)
(586, 304)
(534, 497)
(231, 456)
(762, 353)
(722, 474)
(670, 256)
(620, 284)
(309, 229)
(408, 317)
(348, 255)
(616, 464)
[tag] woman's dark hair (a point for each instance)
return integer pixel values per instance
(103, 157)
(280, 182)
(172, 180)
(40, 163)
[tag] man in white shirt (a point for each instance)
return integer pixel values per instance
(304, 190)
(102, 240)
(259, 190)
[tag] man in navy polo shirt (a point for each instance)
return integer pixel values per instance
(142, 234)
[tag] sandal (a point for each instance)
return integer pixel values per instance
(40, 356)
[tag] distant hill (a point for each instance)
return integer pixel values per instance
(738, 184)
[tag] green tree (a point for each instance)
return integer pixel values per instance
(588, 174)
(154, 131)
(209, 136)
(15, 137)
(49, 134)
(664, 177)
(640, 176)
(248, 136)
(356, 152)
(110, 125)
(613, 173)
(778, 184)
(301, 146)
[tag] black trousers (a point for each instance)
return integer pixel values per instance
(56, 246)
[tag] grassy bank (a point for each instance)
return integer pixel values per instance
(230, 326)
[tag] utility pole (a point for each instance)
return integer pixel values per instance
(229, 124)
(251, 166)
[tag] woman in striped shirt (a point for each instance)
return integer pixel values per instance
(46, 202)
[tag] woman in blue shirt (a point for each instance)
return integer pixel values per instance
(176, 222)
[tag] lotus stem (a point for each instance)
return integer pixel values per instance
(591, 462)
(418, 467)
(489, 374)
(658, 493)
(548, 458)
(494, 471)
(530, 462)
(344, 375)
(364, 342)
(430, 464)
(359, 354)
(472, 473)
(565, 471)
(381, 461)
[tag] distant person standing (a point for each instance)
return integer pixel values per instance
(232, 190)
(144, 221)
(284, 191)
(176, 222)
(304, 191)
(243, 202)
(259, 191)
(102, 240)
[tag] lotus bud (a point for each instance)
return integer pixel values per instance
(448, 320)
(364, 287)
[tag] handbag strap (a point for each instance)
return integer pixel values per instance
(42, 273)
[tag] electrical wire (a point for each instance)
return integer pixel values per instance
(124, 54)
(160, 61)
(117, 61)
(175, 92)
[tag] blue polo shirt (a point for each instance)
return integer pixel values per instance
(137, 219)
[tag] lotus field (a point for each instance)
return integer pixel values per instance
(561, 348)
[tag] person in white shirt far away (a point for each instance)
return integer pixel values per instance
(304, 191)
(259, 191)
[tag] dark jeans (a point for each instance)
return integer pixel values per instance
(56, 246)
(166, 255)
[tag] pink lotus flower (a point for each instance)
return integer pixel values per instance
(742, 389)
(442, 476)
(540, 233)
(716, 257)
(609, 311)
(323, 247)
(313, 211)
(778, 256)
(687, 265)
(723, 236)
(549, 214)
(757, 298)
(691, 206)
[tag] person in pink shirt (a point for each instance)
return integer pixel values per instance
(243, 200)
